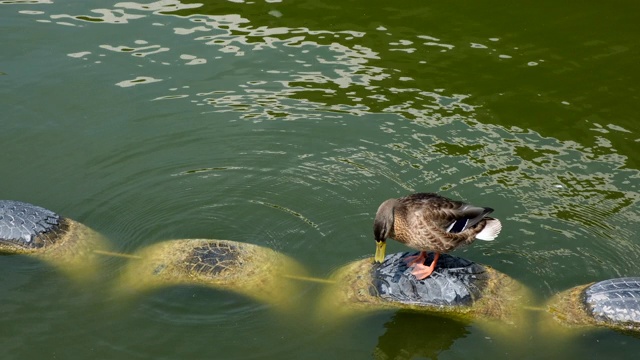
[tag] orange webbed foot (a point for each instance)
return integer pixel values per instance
(421, 271)
(416, 259)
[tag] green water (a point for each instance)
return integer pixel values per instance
(285, 124)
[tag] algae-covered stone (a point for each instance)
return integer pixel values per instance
(66, 244)
(458, 288)
(251, 270)
(613, 303)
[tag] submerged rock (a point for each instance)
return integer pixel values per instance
(251, 270)
(66, 244)
(458, 287)
(613, 303)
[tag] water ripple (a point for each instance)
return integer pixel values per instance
(368, 118)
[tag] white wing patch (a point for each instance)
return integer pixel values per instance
(490, 231)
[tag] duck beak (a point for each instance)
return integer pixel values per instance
(380, 249)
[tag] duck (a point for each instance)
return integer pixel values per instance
(430, 222)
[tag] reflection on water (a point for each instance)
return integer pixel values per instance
(406, 338)
(259, 123)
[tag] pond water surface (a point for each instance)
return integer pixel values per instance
(285, 124)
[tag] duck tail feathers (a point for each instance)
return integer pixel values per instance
(490, 231)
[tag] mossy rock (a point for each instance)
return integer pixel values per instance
(64, 243)
(247, 269)
(613, 303)
(458, 287)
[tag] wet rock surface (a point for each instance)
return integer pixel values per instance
(454, 282)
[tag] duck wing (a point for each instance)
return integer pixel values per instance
(475, 219)
(430, 212)
(466, 217)
(451, 215)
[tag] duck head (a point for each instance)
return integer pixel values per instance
(383, 227)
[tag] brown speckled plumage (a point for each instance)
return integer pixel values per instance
(421, 221)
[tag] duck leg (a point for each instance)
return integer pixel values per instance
(421, 271)
(416, 259)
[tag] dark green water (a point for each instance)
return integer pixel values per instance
(285, 124)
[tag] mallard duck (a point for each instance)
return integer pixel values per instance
(430, 222)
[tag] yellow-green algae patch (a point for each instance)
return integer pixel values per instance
(568, 307)
(71, 248)
(250, 270)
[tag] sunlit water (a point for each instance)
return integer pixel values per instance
(285, 125)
